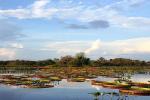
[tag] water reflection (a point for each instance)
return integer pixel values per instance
(64, 90)
(141, 77)
(9, 95)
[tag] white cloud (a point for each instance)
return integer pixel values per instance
(102, 48)
(109, 49)
(39, 10)
(7, 53)
(36, 10)
(137, 22)
(16, 45)
(134, 2)
(18, 13)
(137, 45)
(68, 47)
(95, 46)
(110, 12)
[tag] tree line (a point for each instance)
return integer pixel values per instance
(79, 60)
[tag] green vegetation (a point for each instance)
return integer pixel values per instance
(75, 69)
(141, 88)
(97, 95)
(55, 78)
(78, 79)
(130, 88)
(79, 60)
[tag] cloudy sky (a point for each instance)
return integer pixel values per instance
(41, 29)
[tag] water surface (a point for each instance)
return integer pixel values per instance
(67, 91)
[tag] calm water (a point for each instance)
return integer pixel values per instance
(66, 91)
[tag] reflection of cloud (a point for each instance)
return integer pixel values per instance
(8, 95)
(73, 85)
(97, 87)
(140, 77)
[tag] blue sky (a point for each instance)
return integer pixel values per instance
(42, 29)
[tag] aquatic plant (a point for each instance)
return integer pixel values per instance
(97, 94)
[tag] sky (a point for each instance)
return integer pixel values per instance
(43, 29)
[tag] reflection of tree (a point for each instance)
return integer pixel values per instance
(97, 94)
(123, 97)
(124, 77)
(120, 96)
(111, 94)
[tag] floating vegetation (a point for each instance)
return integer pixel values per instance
(131, 88)
(29, 81)
(136, 91)
(119, 96)
(55, 78)
(48, 78)
(78, 79)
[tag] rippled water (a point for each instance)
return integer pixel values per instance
(66, 91)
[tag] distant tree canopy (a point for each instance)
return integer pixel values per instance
(79, 60)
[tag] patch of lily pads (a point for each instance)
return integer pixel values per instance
(126, 87)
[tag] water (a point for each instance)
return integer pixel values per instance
(66, 91)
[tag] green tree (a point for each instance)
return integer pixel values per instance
(66, 61)
(80, 60)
